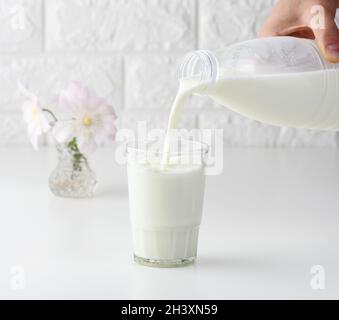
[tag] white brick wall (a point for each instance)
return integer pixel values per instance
(130, 25)
(128, 50)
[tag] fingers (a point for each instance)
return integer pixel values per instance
(268, 31)
(298, 31)
(312, 19)
(328, 39)
(273, 26)
(284, 15)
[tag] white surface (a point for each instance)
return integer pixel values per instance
(271, 216)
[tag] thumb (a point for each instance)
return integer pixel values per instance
(328, 39)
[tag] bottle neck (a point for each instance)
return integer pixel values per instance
(202, 65)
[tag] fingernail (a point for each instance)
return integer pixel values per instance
(332, 51)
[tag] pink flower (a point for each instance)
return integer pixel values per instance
(33, 115)
(88, 118)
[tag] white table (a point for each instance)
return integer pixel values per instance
(268, 219)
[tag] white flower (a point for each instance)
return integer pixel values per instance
(88, 118)
(33, 116)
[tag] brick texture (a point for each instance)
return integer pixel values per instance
(21, 25)
(120, 25)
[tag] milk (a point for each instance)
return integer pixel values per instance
(186, 89)
(304, 100)
(165, 209)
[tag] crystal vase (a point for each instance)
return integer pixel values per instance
(73, 177)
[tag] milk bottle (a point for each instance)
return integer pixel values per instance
(282, 81)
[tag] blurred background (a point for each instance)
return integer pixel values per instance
(128, 51)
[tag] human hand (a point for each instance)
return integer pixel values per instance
(312, 19)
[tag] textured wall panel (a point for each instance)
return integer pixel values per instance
(120, 24)
(151, 81)
(13, 130)
(21, 25)
(225, 22)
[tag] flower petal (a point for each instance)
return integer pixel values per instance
(78, 91)
(109, 127)
(35, 141)
(25, 92)
(82, 103)
(44, 124)
(87, 145)
(63, 131)
(34, 134)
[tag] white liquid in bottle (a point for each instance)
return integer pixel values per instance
(299, 100)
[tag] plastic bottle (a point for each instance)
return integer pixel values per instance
(282, 81)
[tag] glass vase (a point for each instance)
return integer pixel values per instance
(73, 177)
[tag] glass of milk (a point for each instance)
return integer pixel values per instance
(166, 201)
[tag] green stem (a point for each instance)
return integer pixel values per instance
(78, 157)
(51, 113)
